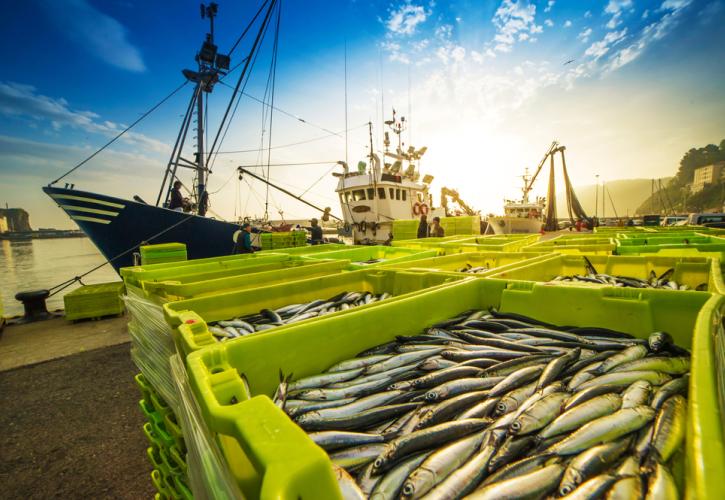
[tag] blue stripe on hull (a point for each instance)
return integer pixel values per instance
(136, 223)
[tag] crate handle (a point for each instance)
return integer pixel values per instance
(286, 463)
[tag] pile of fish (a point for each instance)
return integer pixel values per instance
(498, 405)
(471, 269)
(662, 281)
(271, 318)
(368, 262)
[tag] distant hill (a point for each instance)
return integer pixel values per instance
(627, 195)
(676, 194)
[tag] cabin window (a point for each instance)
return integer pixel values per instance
(347, 196)
(381, 193)
(392, 193)
(358, 195)
(371, 193)
(420, 197)
(397, 194)
(405, 195)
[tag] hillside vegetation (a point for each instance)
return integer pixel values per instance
(676, 194)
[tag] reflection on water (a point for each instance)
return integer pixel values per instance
(37, 264)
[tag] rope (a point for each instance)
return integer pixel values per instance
(261, 8)
(66, 284)
(120, 134)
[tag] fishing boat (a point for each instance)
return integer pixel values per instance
(525, 216)
(520, 216)
(375, 194)
(118, 226)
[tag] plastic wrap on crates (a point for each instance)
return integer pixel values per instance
(209, 476)
(158, 376)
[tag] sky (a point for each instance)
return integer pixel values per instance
(626, 85)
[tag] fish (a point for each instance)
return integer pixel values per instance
(590, 463)
(661, 485)
(440, 464)
(582, 414)
(669, 431)
(604, 429)
(535, 484)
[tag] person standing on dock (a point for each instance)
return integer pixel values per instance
(423, 227)
(436, 230)
(177, 200)
(244, 240)
(315, 232)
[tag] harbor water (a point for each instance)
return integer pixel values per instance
(39, 264)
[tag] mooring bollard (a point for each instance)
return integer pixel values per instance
(34, 304)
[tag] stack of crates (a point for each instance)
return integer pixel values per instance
(405, 229)
(162, 253)
(167, 449)
(275, 241)
(461, 225)
(94, 301)
(229, 383)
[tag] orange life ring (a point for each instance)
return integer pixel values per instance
(416, 209)
(424, 209)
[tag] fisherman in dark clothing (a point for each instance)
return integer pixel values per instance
(315, 232)
(423, 227)
(177, 200)
(244, 240)
(436, 230)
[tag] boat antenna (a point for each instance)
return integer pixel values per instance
(271, 86)
(410, 111)
(346, 142)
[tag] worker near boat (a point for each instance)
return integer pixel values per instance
(244, 240)
(315, 232)
(434, 231)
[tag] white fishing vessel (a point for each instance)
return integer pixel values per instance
(373, 195)
(521, 216)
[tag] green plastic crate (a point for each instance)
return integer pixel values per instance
(188, 318)
(162, 253)
(94, 301)
(426, 243)
(690, 271)
(388, 255)
(703, 244)
(182, 488)
(290, 466)
(158, 482)
(154, 457)
(593, 245)
(492, 243)
(495, 261)
(242, 279)
(197, 269)
(312, 249)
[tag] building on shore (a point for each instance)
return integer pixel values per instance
(16, 219)
(709, 174)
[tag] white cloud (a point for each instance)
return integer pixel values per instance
(23, 101)
(588, 14)
(645, 14)
(567, 24)
(549, 23)
(615, 8)
(598, 49)
(512, 18)
(584, 35)
(651, 33)
(96, 32)
(549, 5)
(674, 4)
(406, 18)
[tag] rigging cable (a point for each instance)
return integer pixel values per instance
(67, 283)
(263, 29)
(261, 8)
(154, 108)
(273, 77)
(236, 104)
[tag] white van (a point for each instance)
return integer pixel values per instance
(704, 218)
